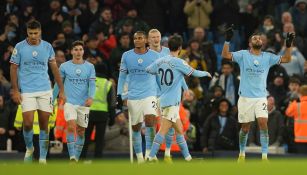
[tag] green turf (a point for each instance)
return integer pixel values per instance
(206, 167)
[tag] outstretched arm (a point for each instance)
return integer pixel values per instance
(228, 35)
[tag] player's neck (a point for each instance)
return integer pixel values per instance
(175, 53)
(140, 50)
(157, 49)
(255, 51)
(77, 61)
(33, 43)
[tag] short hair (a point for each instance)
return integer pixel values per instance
(175, 42)
(303, 90)
(154, 31)
(77, 43)
(141, 32)
(227, 62)
(295, 80)
(33, 24)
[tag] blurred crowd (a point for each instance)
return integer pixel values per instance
(107, 28)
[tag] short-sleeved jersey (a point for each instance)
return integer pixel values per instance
(76, 79)
(33, 65)
(170, 71)
(140, 83)
(254, 71)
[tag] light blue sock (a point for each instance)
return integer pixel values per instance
(71, 144)
(242, 141)
(43, 144)
(149, 137)
(264, 140)
(158, 140)
(79, 146)
(169, 138)
(183, 145)
(28, 138)
(137, 142)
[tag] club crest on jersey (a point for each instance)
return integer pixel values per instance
(78, 72)
(185, 63)
(140, 60)
(256, 63)
(34, 54)
(14, 52)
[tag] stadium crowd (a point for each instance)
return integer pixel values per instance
(107, 28)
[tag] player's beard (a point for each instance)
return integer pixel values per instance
(257, 46)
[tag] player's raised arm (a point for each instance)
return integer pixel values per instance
(286, 58)
(123, 71)
(228, 35)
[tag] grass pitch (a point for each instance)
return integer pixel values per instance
(196, 167)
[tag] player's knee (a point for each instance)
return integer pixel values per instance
(80, 131)
(70, 128)
(262, 124)
(245, 129)
(27, 126)
(149, 121)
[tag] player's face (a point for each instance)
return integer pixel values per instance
(139, 40)
(256, 42)
(34, 36)
(77, 52)
(154, 39)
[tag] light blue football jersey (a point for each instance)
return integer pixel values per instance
(140, 83)
(170, 72)
(79, 81)
(254, 71)
(33, 65)
(164, 52)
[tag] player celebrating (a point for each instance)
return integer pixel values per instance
(142, 90)
(170, 71)
(79, 82)
(31, 86)
(254, 66)
(154, 41)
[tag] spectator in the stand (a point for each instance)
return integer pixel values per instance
(70, 37)
(296, 65)
(275, 126)
(92, 48)
(103, 23)
(269, 28)
(106, 42)
(14, 30)
(228, 81)
(220, 131)
(131, 22)
(5, 53)
(10, 7)
(60, 43)
(116, 54)
(299, 16)
(292, 94)
(118, 7)
(278, 89)
(89, 15)
(267, 44)
(298, 111)
(276, 70)
(198, 12)
(286, 17)
(206, 47)
(52, 20)
(60, 57)
(71, 7)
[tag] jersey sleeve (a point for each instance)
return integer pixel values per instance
(152, 68)
(237, 56)
(274, 59)
(123, 71)
(184, 67)
(51, 53)
(62, 71)
(15, 58)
